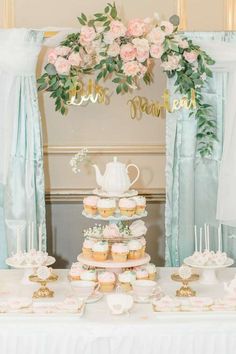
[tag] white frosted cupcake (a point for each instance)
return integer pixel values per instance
(135, 249)
(107, 281)
(140, 204)
(90, 204)
(141, 273)
(106, 207)
(152, 271)
(100, 251)
(87, 248)
(126, 279)
(127, 206)
(76, 270)
(119, 252)
(89, 275)
(143, 243)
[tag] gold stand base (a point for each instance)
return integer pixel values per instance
(185, 292)
(43, 292)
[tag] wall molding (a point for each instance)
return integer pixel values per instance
(230, 17)
(61, 195)
(182, 13)
(106, 149)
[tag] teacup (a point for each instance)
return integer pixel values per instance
(144, 289)
(84, 288)
(119, 303)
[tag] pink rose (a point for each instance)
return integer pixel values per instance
(52, 56)
(168, 27)
(74, 59)
(140, 43)
(62, 50)
(113, 50)
(117, 29)
(62, 66)
(182, 43)
(131, 68)
(127, 52)
(87, 34)
(142, 55)
(136, 27)
(156, 51)
(172, 63)
(156, 36)
(108, 37)
(191, 57)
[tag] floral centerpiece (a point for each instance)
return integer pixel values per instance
(124, 54)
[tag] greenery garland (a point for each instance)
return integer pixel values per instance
(125, 54)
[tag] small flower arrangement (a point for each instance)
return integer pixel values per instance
(77, 159)
(125, 53)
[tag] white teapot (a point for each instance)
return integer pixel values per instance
(115, 180)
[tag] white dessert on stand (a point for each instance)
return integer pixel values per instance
(208, 260)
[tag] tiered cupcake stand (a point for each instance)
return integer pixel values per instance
(109, 264)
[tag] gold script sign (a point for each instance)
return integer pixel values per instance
(90, 92)
(139, 105)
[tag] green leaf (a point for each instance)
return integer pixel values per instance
(106, 9)
(116, 80)
(99, 76)
(50, 69)
(42, 86)
(83, 16)
(113, 12)
(175, 20)
(81, 21)
(63, 110)
(119, 89)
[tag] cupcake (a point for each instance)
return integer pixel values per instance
(152, 271)
(140, 204)
(141, 273)
(143, 243)
(106, 207)
(100, 251)
(90, 204)
(119, 252)
(76, 270)
(106, 281)
(89, 275)
(126, 279)
(135, 249)
(87, 248)
(127, 206)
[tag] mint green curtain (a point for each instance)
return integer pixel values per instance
(21, 164)
(192, 181)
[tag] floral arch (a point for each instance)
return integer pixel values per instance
(124, 53)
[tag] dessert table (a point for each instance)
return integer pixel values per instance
(98, 331)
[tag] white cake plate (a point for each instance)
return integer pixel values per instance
(29, 268)
(130, 193)
(208, 273)
(116, 217)
(115, 266)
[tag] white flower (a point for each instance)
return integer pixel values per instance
(203, 76)
(78, 159)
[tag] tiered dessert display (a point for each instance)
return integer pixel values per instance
(208, 260)
(115, 251)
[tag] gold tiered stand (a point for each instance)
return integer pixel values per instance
(43, 291)
(185, 290)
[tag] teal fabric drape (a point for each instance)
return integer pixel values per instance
(192, 182)
(21, 164)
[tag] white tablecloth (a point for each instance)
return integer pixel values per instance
(98, 332)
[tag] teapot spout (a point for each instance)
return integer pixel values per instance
(99, 177)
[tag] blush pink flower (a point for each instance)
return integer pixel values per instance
(62, 66)
(62, 50)
(113, 50)
(136, 27)
(172, 63)
(127, 52)
(168, 27)
(131, 68)
(156, 36)
(75, 59)
(117, 29)
(52, 56)
(156, 51)
(191, 57)
(142, 55)
(141, 43)
(87, 34)
(182, 43)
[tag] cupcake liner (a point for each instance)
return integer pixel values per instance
(106, 287)
(140, 209)
(91, 210)
(127, 212)
(119, 257)
(106, 212)
(135, 254)
(87, 252)
(126, 286)
(100, 256)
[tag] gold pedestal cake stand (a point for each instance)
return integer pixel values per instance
(185, 290)
(43, 291)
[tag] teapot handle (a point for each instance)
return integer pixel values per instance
(138, 173)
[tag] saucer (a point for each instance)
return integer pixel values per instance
(94, 298)
(142, 299)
